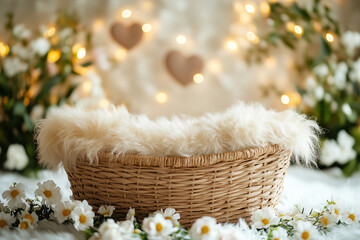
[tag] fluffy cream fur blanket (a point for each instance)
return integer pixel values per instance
(68, 133)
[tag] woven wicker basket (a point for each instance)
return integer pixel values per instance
(225, 186)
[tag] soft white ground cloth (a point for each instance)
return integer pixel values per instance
(306, 187)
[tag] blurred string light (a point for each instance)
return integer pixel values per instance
(120, 54)
(252, 37)
(285, 99)
(198, 78)
(98, 25)
(250, 8)
(79, 51)
(181, 39)
(298, 30)
(231, 45)
(161, 97)
(329, 37)
(49, 32)
(53, 56)
(126, 13)
(264, 8)
(146, 27)
(4, 49)
(214, 66)
(291, 99)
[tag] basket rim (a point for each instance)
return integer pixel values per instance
(181, 161)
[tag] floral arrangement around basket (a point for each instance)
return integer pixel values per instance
(330, 67)
(21, 213)
(36, 73)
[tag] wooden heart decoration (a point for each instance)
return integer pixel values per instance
(126, 36)
(183, 68)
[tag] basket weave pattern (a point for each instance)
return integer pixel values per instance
(225, 186)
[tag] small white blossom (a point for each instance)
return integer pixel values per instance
(6, 220)
(40, 46)
(32, 217)
(37, 112)
(334, 106)
(106, 211)
(82, 218)
(84, 204)
(170, 214)
(14, 195)
(205, 228)
(355, 71)
(16, 157)
(350, 216)
(351, 41)
(309, 100)
(14, 66)
(62, 211)
(24, 224)
(328, 219)
(110, 230)
(158, 226)
(21, 32)
(319, 92)
(336, 210)
(340, 75)
(21, 51)
(131, 214)
(346, 143)
(279, 233)
(263, 218)
(346, 109)
(49, 192)
(330, 152)
(305, 231)
(310, 83)
(321, 70)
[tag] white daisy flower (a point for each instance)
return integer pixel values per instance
(350, 216)
(14, 195)
(16, 157)
(82, 218)
(230, 232)
(49, 192)
(25, 224)
(305, 231)
(126, 227)
(264, 218)
(62, 211)
(328, 219)
(330, 152)
(205, 228)
(279, 233)
(335, 209)
(131, 214)
(346, 143)
(106, 211)
(158, 226)
(40, 46)
(110, 230)
(6, 220)
(32, 217)
(170, 214)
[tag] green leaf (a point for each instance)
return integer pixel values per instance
(87, 64)
(19, 109)
(28, 122)
(350, 168)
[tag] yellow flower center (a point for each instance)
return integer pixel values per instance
(205, 229)
(265, 221)
(168, 218)
(23, 225)
(324, 221)
(276, 239)
(159, 227)
(28, 216)
(47, 193)
(82, 219)
(14, 193)
(3, 223)
(352, 217)
(66, 212)
(305, 235)
(336, 211)
(136, 231)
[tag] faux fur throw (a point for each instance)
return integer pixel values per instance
(68, 133)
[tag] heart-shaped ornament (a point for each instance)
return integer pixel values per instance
(183, 68)
(126, 36)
